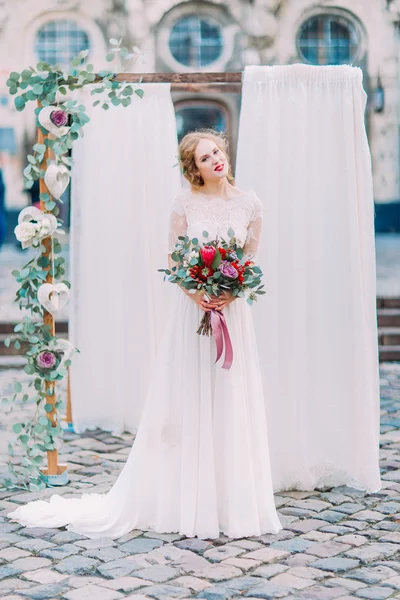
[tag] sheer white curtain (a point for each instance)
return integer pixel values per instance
(124, 184)
(303, 148)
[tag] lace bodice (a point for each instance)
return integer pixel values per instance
(195, 212)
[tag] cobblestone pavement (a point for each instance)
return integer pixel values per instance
(336, 543)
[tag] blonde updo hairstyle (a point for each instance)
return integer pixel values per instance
(187, 149)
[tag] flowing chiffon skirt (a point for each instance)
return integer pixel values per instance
(200, 462)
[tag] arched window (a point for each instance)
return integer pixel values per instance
(196, 41)
(197, 114)
(328, 40)
(59, 41)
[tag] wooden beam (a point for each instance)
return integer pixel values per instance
(199, 78)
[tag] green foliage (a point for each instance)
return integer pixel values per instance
(50, 84)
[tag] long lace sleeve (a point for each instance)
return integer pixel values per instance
(177, 223)
(254, 230)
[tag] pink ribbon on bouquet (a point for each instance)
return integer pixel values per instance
(221, 335)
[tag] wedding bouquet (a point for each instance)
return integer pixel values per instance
(214, 268)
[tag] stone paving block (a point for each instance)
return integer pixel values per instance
(368, 515)
(337, 529)
(349, 584)
(12, 553)
(105, 554)
(326, 549)
(76, 565)
(267, 554)
(349, 508)
(296, 544)
(66, 537)
(266, 589)
(190, 563)
(242, 563)
(374, 593)
(35, 545)
(393, 582)
(373, 552)
(337, 565)
(393, 536)
(140, 545)
(300, 560)
(30, 563)
(296, 512)
(352, 539)
(240, 584)
(358, 525)
(11, 584)
(194, 545)
(43, 533)
(12, 538)
(317, 536)
(43, 592)
(9, 571)
(292, 581)
(165, 537)
(311, 504)
(164, 592)
(308, 573)
(191, 583)
(388, 508)
(371, 575)
(335, 498)
(60, 552)
(98, 543)
(44, 576)
(332, 516)
(268, 571)
(158, 573)
(126, 584)
(93, 592)
(118, 568)
(83, 580)
(216, 593)
(220, 553)
(318, 592)
(307, 525)
(218, 572)
(246, 544)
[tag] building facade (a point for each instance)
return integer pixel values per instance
(212, 35)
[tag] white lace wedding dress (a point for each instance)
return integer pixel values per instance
(200, 461)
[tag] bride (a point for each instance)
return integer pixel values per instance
(200, 461)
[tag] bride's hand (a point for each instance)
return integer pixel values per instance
(200, 300)
(225, 299)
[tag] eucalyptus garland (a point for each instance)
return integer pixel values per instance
(48, 356)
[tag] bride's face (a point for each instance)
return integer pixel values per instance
(210, 161)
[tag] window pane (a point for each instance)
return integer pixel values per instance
(195, 42)
(59, 41)
(198, 116)
(328, 39)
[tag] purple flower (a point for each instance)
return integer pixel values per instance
(46, 360)
(59, 118)
(228, 270)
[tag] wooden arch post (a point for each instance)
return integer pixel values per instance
(55, 474)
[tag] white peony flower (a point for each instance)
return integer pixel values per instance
(25, 233)
(45, 228)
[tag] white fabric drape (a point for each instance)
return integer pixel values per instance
(123, 186)
(303, 148)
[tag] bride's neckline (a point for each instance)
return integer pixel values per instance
(218, 197)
